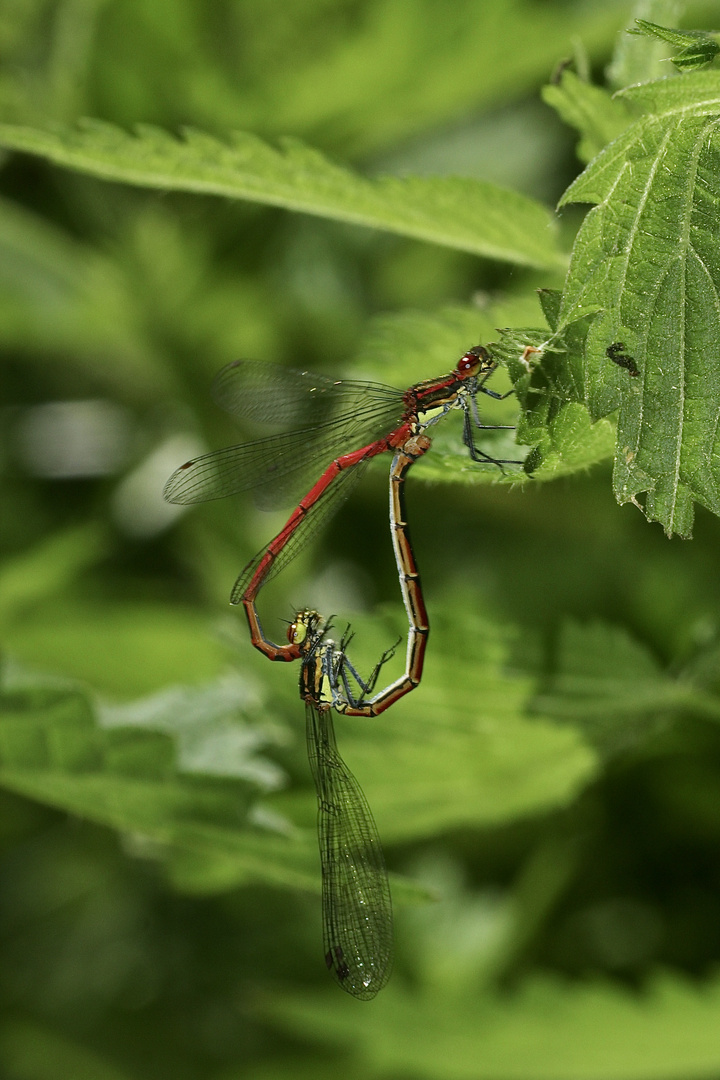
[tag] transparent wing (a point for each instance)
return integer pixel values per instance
(282, 467)
(287, 398)
(356, 904)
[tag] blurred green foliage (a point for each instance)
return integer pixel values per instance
(547, 798)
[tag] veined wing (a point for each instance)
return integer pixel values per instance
(356, 904)
(285, 398)
(282, 467)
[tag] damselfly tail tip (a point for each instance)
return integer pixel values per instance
(360, 980)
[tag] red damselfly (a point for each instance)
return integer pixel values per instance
(334, 428)
(418, 626)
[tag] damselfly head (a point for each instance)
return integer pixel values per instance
(305, 624)
(476, 361)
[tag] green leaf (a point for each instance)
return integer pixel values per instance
(203, 721)
(647, 263)
(639, 59)
(179, 768)
(696, 48)
(122, 649)
(596, 115)
(546, 369)
(469, 215)
(407, 346)
(457, 754)
(342, 80)
(545, 1029)
(52, 750)
(614, 690)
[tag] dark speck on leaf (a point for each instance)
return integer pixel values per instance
(616, 353)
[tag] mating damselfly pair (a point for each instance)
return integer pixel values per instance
(331, 430)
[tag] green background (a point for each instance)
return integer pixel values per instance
(548, 798)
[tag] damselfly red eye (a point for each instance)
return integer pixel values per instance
(475, 360)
